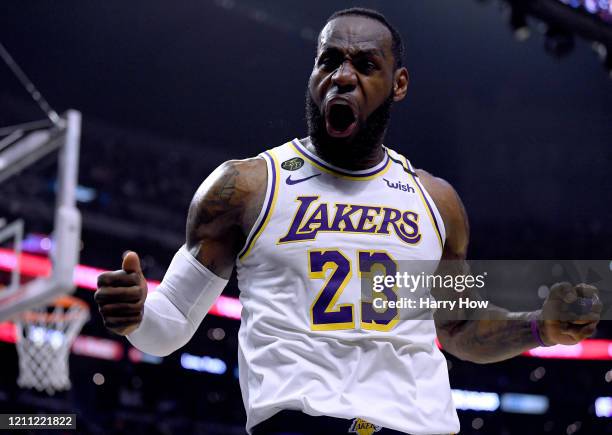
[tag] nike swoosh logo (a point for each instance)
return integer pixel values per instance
(291, 182)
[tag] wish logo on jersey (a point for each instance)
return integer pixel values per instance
(312, 217)
(363, 427)
(399, 186)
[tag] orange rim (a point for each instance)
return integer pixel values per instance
(65, 302)
(69, 301)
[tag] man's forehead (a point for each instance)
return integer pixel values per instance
(355, 32)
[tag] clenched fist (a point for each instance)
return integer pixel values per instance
(121, 296)
(570, 313)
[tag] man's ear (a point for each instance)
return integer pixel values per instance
(401, 79)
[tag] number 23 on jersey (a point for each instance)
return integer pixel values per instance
(334, 268)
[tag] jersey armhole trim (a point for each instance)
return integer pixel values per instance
(433, 214)
(268, 205)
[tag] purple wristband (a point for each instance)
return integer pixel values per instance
(535, 331)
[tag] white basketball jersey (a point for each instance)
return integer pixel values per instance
(309, 340)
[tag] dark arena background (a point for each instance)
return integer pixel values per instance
(510, 101)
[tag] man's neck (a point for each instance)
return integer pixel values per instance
(348, 160)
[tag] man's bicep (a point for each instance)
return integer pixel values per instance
(453, 261)
(452, 320)
(453, 214)
(456, 267)
(215, 228)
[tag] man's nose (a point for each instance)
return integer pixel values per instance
(344, 77)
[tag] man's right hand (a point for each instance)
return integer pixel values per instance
(121, 296)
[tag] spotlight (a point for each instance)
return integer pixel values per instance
(518, 23)
(98, 379)
(605, 55)
(477, 423)
(537, 374)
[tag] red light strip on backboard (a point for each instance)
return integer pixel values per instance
(86, 277)
(592, 349)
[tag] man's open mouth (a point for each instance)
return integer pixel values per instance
(340, 119)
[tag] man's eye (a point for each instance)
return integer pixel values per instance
(367, 66)
(326, 61)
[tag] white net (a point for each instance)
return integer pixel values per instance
(44, 338)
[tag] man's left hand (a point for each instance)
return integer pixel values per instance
(569, 314)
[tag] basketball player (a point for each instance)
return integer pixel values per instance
(302, 223)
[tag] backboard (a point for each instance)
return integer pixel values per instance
(21, 147)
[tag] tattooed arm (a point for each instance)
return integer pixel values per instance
(495, 334)
(223, 211)
(221, 214)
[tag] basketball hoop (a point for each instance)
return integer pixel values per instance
(44, 338)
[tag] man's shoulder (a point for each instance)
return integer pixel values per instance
(246, 174)
(449, 205)
(246, 165)
(440, 190)
(254, 167)
(232, 185)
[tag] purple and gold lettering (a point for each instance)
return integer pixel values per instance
(411, 219)
(390, 217)
(293, 234)
(342, 217)
(366, 218)
(310, 218)
(318, 220)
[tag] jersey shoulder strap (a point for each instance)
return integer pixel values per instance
(430, 205)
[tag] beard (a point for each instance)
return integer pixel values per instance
(369, 134)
